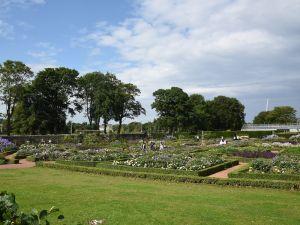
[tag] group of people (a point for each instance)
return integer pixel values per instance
(152, 145)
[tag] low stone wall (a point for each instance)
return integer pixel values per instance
(35, 139)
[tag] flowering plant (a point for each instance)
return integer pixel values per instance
(6, 145)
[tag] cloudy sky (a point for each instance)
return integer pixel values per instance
(248, 49)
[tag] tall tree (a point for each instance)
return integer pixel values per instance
(97, 92)
(52, 94)
(13, 76)
(198, 115)
(225, 113)
(173, 108)
(280, 115)
(125, 105)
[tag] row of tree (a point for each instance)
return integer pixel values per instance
(40, 104)
(178, 111)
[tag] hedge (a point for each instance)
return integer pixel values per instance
(203, 172)
(177, 178)
(146, 170)
(78, 163)
(217, 168)
(265, 176)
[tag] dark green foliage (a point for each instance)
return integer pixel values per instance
(46, 102)
(225, 113)
(279, 115)
(217, 168)
(177, 178)
(173, 108)
(10, 214)
(13, 76)
(179, 112)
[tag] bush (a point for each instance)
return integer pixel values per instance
(176, 178)
(10, 214)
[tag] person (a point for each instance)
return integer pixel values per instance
(161, 146)
(223, 141)
(152, 145)
(143, 146)
(235, 137)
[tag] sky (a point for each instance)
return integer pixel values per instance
(238, 48)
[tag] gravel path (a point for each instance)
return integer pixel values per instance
(24, 163)
(224, 173)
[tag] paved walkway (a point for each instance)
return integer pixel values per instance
(224, 173)
(24, 163)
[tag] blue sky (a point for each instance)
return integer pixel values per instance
(244, 49)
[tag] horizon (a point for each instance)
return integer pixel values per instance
(229, 48)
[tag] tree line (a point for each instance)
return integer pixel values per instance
(40, 104)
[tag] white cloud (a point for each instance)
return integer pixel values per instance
(6, 30)
(214, 47)
(45, 54)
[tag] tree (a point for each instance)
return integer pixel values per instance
(46, 102)
(172, 106)
(97, 93)
(13, 76)
(280, 115)
(225, 113)
(198, 114)
(125, 105)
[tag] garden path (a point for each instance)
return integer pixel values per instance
(224, 173)
(23, 163)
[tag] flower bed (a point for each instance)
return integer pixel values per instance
(172, 161)
(50, 152)
(279, 165)
(255, 154)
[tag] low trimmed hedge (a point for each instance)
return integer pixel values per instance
(204, 172)
(217, 168)
(265, 176)
(176, 178)
(78, 163)
(146, 170)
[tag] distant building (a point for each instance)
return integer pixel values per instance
(271, 127)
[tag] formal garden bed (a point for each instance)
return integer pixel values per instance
(181, 159)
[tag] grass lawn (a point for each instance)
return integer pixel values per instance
(121, 200)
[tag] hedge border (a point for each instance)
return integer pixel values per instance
(204, 172)
(242, 174)
(176, 178)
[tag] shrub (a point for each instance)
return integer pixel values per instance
(10, 214)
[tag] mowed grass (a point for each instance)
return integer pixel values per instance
(120, 200)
